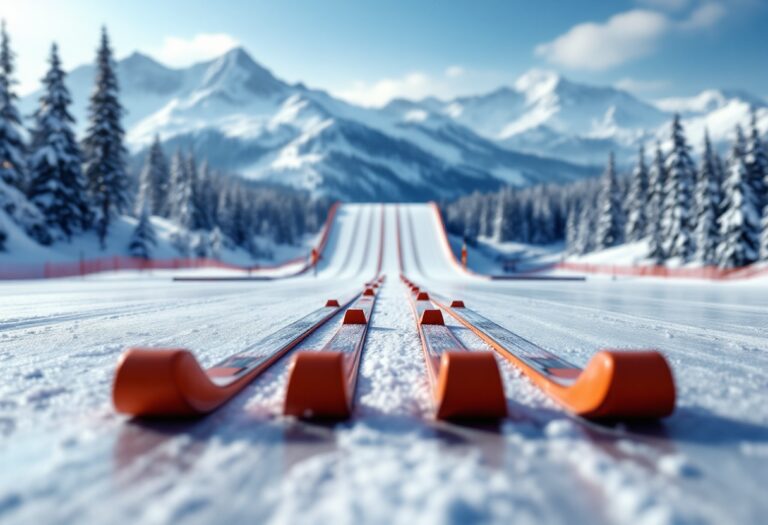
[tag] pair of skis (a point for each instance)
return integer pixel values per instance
(616, 384)
(171, 382)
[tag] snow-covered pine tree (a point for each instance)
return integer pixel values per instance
(180, 195)
(57, 184)
(153, 182)
(12, 148)
(764, 236)
(215, 242)
(3, 234)
(609, 224)
(756, 159)
(103, 149)
(657, 178)
(637, 200)
(585, 239)
(143, 239)
(676, 213)
(706, 203)
(572, 230)
(739, 221)
(205, 198)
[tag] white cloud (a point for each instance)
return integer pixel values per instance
(594, 46)
(178, 51)
(704, 16)
(641, 86)
(627, 36)
(414, 85)
(667, 5)
(454, 72)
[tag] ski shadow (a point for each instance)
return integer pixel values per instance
(699, 425)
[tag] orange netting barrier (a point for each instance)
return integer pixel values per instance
(83, 267)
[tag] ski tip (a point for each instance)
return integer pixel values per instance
(317, 386)
(332, 303)
(470, 387)
(161, 382)
(457, 304)
(621, 384)
(431, 316)
(355, 316)
(422, 296)
(369, 292)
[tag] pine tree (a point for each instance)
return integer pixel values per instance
(637, 200)
(572, 230)
(181, 193)
(764, 235)
(756, 160)
(103, 149)
(57, 183)
(205, 198)
(706, 204)
(153, 182)
(676, 214)
(585, 239)
(657, 179)
(143, 239)
(216, 242)
(609, 223)
(739, 221)
(12, 149)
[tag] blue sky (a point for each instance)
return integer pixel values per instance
(370, 51)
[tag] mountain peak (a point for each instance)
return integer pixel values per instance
(237, 73)
(538, 81)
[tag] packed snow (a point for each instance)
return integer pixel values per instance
(66, 457)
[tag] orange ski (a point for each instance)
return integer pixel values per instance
(322, 384)
(171, 382)
(464, 384)
(615, 383)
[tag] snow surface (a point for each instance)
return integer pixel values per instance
(66, 457)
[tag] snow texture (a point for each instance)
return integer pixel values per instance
(66, 457)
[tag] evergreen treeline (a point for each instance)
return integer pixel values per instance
(54, 187)
(713, 212)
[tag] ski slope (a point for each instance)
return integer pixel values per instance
(67, 457)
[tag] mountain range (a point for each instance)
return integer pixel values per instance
(544, 128)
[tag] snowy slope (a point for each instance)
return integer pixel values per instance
(65, 457)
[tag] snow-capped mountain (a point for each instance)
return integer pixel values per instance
(241, 117)
(234, 112)
(546, 114)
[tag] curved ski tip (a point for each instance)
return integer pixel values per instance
(470, 387)
(625, 384)
(332, 302)
(354, 316)
(457, 304)
(160, 382)
(422, 296)
(317, 386)
(431, 316)
(369, 292)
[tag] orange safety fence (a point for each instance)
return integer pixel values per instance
(707, 272)
(48, 270)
